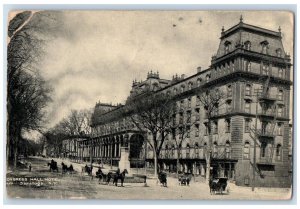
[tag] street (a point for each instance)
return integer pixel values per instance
(76, 186)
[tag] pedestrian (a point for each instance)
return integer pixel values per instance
(29, 167)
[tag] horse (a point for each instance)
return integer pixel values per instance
(100, 175)
(53, 166)
(162, 177)
(217, 185)
(64, 168)
(88, 170)
(116, 176)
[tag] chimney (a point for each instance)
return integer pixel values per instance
(198, 69)
(182, 76)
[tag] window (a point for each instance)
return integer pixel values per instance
(175, 91)
(248, 45)
(233, 65)
(227, 46)
(174, 133)
(207, 78)
(196, 150)
(206, 129)
(188, 151)
(204, 148)
(198, 100)
(278, 52)
(247, 125)
(229, 91)
(190, 86)
(199, 82)
(264, 47)
(265, 69)
(278, 151)
(189, 115)
(215, 126)
(248, 90)
(227, 149)
(279, 112)
(188, 131)
(197, 130)
(189, 102)
(247, 150)
(280, 72)
(182, 89)
(215, 149)
(248, 66)
(247, 106)
(280, 95)
(228, 106)
(280, 129)
(173, 151)
(227, 122)
(167, 151)
(263, 149)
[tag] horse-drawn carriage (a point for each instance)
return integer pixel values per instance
(217, 185)
(184, 179)
(53, 166)
(115, 175)
(162, 178)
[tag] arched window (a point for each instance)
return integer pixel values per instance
(265, 47)
(182, 89)
(190, 85)
(248, 90)
(263, 149)
(207, 78)
(188, 151)
(229, 91)
(248, 66)
(173, 151)
(227, 149)
(167, 151)
(280, 72)
(248, 45)
(196, 150)
(279, 129)
(227, 46)
(278, 151)
(175, 91)
(199, 82)
(246, 150)
(228, 125)
(278, 52)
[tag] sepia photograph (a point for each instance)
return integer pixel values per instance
(149, 104)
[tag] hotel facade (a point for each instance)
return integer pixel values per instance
(253, 70)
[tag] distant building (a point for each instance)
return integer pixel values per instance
(253, 69)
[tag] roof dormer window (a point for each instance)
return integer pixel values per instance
(227, 46)
(248, 45)
(265, 47)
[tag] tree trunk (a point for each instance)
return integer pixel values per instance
(177, 162)
(155, 163)
(208, 156)
(207, 168)
(15, 156)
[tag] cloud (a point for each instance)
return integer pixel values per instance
(99, 53)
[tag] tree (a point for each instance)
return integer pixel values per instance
(182, 130)
(28, 93)
(152, 113)
(211, 101)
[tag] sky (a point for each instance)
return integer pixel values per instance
(99, 53)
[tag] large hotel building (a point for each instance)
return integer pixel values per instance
(253, 70)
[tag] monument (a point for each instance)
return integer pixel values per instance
(124, 160)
